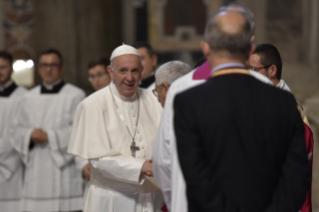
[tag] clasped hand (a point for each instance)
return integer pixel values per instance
(147, 168)
(38, 136)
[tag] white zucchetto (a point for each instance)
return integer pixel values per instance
(124, 50)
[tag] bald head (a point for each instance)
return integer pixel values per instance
(229, 32)
(230, 22)
(244, 11)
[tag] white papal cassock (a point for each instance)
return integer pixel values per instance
(11, 166)
(167, 171)
(100, 135)
(52, 182)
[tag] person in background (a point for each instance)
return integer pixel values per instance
(99, 77)
(266, 60)
(11, 166)
(165, 75)
(41, 135)
(149, 62)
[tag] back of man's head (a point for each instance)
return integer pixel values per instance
(229, 32)
(269, 55)
(7, 56)
(171, 71)
(233, 7)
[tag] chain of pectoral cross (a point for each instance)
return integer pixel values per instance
(133, 147)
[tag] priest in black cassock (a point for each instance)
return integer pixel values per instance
(240, 142)
(41, 134)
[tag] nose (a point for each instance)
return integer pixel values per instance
(129, 76)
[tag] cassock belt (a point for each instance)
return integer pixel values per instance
(98, 180)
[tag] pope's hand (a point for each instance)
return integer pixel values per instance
(147, 168)
(38, 136)
(86, 172)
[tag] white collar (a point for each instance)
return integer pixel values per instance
(50, 87)
(283, 85)
(8, 84)
(117, 94)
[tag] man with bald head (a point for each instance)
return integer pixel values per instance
(114, 129)
(236, 152)
(166, 165)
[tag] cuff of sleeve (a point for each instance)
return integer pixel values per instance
(138, 177)
(52, 140)
(80, 163)
(24, 151)
(5, 172)
(54, 146)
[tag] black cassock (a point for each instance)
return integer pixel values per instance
(241, 146)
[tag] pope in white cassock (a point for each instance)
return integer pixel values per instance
(41, 134)
(11, 166)
(115, 128)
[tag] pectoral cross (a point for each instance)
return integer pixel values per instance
(134, 148)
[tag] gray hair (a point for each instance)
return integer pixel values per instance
(237, 44)
(170, 71)
(248, 14)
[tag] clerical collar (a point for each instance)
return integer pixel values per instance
(227, 66)
(117, 94)
(2, 88)
(145, 83)
(7, 89)
(52, 89)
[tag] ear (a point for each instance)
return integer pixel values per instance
(154, 60)
(205, 49)
(252, 39)
(62, 70)
(251, 50)
(109, 69)
(165, 86)
(273, 71)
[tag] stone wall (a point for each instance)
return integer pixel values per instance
(80, 29)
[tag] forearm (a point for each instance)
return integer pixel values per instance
(120, 167)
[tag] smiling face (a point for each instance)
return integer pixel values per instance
(126, 74)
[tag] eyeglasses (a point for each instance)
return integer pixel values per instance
(99, 75)
(48, 65)
(258, 69)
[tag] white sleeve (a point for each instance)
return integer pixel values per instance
(120, 167)
(162, 153)
(59, 139)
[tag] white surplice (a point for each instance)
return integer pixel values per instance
(166, 167)
(100, 135)
(11, 166)
(52, 181)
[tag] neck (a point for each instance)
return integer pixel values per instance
(275, 81)
(148, 75)
(2, 84)
(52, 83)
(216, 61)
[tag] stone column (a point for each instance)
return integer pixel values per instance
(1, 25)
(128, 22)
(314, 32)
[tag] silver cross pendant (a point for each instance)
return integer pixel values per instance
(134, 148)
